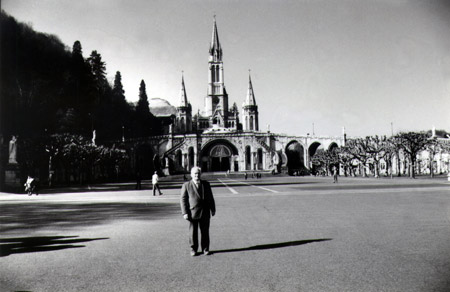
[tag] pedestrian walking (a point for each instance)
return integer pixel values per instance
(335, 174)
(155, 182)
(31, 186)
(197, 206)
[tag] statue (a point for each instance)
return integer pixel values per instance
(13, 150)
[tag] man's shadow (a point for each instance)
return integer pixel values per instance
(271, 245)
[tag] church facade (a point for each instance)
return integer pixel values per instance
(219, 139)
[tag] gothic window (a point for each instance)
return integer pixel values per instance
(246, 123)
(217, 74)
(251, 123)
(213, 75)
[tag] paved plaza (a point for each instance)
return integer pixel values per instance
(276, 233)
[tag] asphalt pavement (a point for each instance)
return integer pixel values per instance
(277, 233)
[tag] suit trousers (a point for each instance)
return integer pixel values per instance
(203, 225)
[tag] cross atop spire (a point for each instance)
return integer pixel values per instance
(183, 96)
(215, 50)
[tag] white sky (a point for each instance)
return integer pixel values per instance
(357, 64)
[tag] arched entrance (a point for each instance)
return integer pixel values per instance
(295, 158)
(220, 158)
(333, 146)
(218, 155)
(312, 149)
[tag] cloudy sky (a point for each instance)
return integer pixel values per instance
(357, 64)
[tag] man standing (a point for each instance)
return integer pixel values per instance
(197, 206)
(155, 182)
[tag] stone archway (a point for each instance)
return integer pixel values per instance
(333, 146)
(218, 155)
(295, 157)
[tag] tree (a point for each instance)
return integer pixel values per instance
(376, 150)
(98, 71)
(143, 115)
(412, 143)
(357, 149)
(346, 160)
(117, 91)
(142, 107)
(77, 51)
(390, 151)
(433, 148)
(323, 160)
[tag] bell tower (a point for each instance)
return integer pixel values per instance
(216, 101)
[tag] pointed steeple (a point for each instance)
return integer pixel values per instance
(215, 50)
(250, 100)
(183, 96)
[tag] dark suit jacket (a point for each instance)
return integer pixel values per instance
(197, 202)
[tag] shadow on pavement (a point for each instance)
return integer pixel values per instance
(10, 246)
(271, 246)
(59, 215)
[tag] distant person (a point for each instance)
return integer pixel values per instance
(155, 182)
(197, 206)
(245, 176)
(138, 180)
(335, 174)
(31, 186)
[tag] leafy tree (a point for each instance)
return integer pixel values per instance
(324, 160)
(357, 149)
(412, 143)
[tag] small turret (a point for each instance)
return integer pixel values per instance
(184, 111)
(250, 109)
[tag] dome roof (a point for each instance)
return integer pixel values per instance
(161, 108)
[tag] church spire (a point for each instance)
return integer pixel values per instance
(183, 96)
(250, 100)
(215, 50)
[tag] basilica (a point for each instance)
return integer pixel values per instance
(217, 138)
(223, 137)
